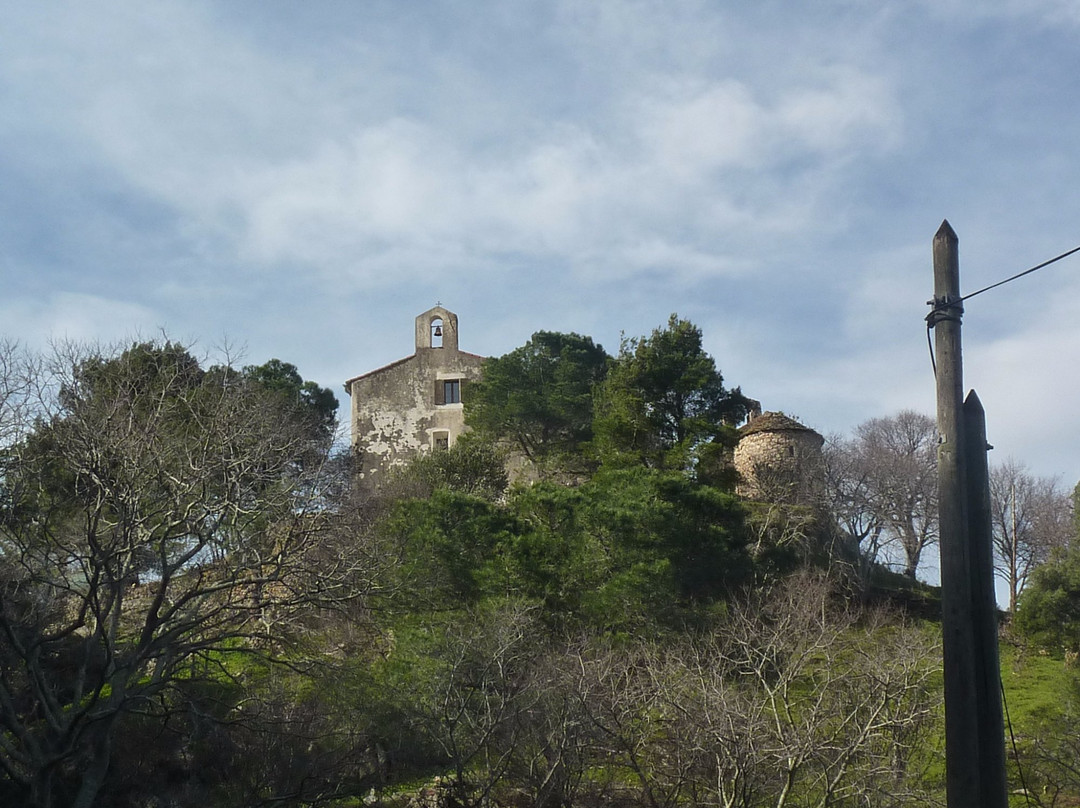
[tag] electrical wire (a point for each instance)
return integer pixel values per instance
(937, 313)
(1020, 274)
(1012, 737)
(930, 344)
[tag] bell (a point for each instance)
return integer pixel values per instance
(438, 331)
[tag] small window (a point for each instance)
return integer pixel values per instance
(441, 441)
(451, 392)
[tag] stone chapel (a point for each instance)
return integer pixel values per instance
(413, 405)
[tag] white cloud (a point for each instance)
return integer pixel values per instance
(695, 130)
(1025, 380)
(690, 133)
(569, 191)
(268, 156)
(849, 109)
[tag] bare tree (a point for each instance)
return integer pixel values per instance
(797, 701)
(783, 528)
(1050, 759)
(16, 378)
(1030, 515)
(154, 519)
(553, 758)
(849, 496)
(784, 517)
(617, 689)
(883, 486)
(467, 694)
(793, 700)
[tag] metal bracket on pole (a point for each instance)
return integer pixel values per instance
(946, 308)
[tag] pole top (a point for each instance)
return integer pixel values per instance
(946, 232)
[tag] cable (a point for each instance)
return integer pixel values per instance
(1012, 737)
(941, 306)
(930, 343)
(1019, 274)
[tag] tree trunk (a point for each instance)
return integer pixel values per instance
(93, 776)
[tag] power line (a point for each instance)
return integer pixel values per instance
(1019, 274)
(939, 311)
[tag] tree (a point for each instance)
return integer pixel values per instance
(1030, 516)
(629, 548)
(883, 485)
(470, 466)
(793, 700)
(460, 689)
(799, 700)
(849, 495)
(1048, 611)
(152, 521)
(1050, 758)
(18, 374)
(317, 404)
(539, 397)
(452, 548)
(664, 399)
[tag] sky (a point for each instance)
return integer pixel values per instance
(298, 180)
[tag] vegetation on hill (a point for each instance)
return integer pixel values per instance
(195, 609)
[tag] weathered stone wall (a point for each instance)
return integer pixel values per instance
(780, 461)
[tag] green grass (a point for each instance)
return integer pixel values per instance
(1035, 684)
(1038, 689)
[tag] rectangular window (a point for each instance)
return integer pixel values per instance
(452, 391)
(441, 441)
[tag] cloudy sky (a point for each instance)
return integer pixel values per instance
(299, 180)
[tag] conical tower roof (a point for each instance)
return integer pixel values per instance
(775, 422)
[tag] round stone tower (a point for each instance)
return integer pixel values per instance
(779, 460)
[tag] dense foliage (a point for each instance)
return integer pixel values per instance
(317, 405)
(1049, 610)
(664, 400)
(539, 397)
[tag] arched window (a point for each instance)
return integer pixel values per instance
(437, 333)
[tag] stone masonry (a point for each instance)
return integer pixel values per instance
(779, 460)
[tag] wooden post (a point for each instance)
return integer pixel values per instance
(961, 707)
(984, 610)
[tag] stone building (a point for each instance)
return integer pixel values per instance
(779, 460)
(412, 405)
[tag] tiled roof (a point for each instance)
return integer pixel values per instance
(773, 422)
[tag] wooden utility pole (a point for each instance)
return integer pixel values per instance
(968, 723)
(984, 609)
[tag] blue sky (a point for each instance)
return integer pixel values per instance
(299, 180)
